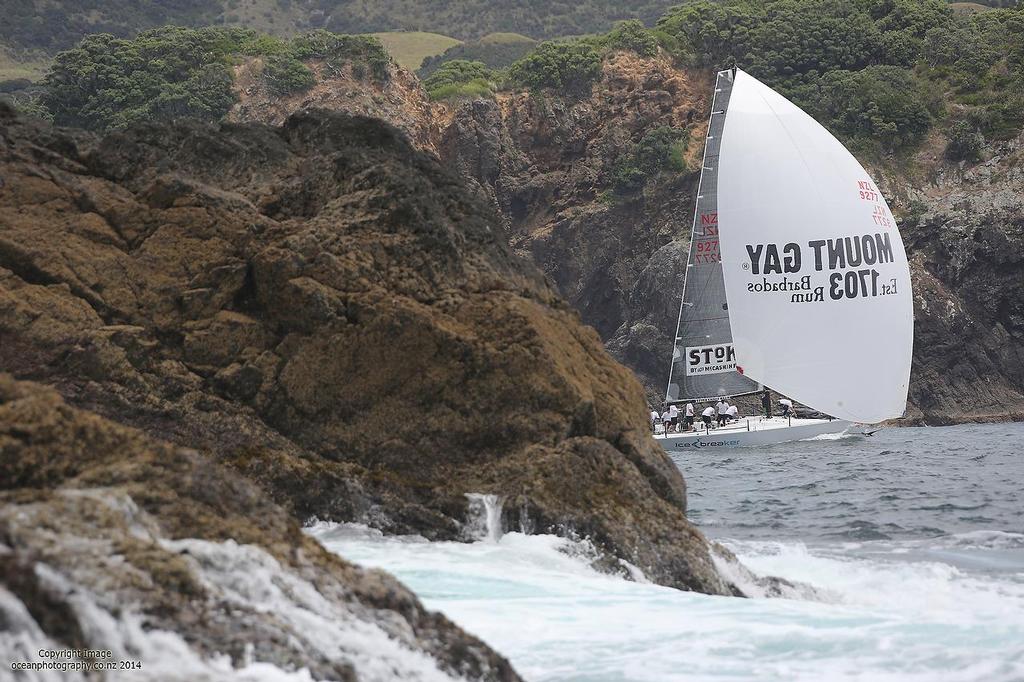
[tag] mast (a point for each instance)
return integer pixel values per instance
(703, 361)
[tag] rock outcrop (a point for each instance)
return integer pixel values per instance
(964, 229)
(110, 540)
(327, 311)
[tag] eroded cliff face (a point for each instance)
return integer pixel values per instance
(966, 241)
(330, 313)
(398, 99)
(545, 162)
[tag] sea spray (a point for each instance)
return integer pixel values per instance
(537, 601)
(484, 522)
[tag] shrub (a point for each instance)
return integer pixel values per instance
(286, 75)
(658, 150)
(631, 35)
(493, 52)
(460, 78)
(367, 54)
(965, 142)
(568, 66)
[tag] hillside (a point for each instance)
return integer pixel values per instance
(587, 193)
(587, 150)
(410, 48)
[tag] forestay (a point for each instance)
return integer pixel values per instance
(815, 270)
(703, 359)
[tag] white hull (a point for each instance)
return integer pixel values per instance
(752, 432)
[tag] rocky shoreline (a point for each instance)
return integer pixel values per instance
(210, 334)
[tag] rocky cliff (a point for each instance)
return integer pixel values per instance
(325, 312)
(546, 162)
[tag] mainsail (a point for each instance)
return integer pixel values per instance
(815, 270)
(703, 359)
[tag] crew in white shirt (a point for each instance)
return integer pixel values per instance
(673, 413)
(787, 407)
(689, 416)
(707, 415)
(723, 411)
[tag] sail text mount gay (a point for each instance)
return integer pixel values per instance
(817, 295)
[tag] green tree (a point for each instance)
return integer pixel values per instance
(285, 74)
(632, 36)
(460, 78)
(886, 104)
(568, 66)
(106, 82)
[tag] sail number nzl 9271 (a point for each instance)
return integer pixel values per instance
(842, 257)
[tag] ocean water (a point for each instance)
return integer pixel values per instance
(913, 539)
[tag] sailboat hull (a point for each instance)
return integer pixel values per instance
(753, 432)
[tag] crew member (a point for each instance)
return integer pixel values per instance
(666, 420)
(689, 417)
(707, 415)
(673, 413)
(723, 411)
(733, 413)
(787, 406)
(766, 402)
(654, 420)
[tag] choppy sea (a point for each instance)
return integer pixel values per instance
(914, 539)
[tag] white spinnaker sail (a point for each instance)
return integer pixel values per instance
(816, 274)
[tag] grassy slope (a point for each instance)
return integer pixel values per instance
(409, 48)
(12, 67)
(502, 38)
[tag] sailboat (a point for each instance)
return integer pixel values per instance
(797, 278)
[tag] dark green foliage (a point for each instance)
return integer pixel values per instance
(460, 78)
(570, 66)
(366, 54)
(883, 103)
(173, 72)
(965, 142)
(286, 74)
(875, 72)
(28, 105)
(107, 82)
(631, 35)
(659, 150)
(496, 54)
(473, 19)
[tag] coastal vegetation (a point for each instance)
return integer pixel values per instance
(875, 73)
(460, 78)
(880, 74)
(107, 83)
(659, 150)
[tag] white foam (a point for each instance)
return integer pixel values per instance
(558, 619)
(248, 578)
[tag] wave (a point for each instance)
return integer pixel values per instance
(539, 602)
